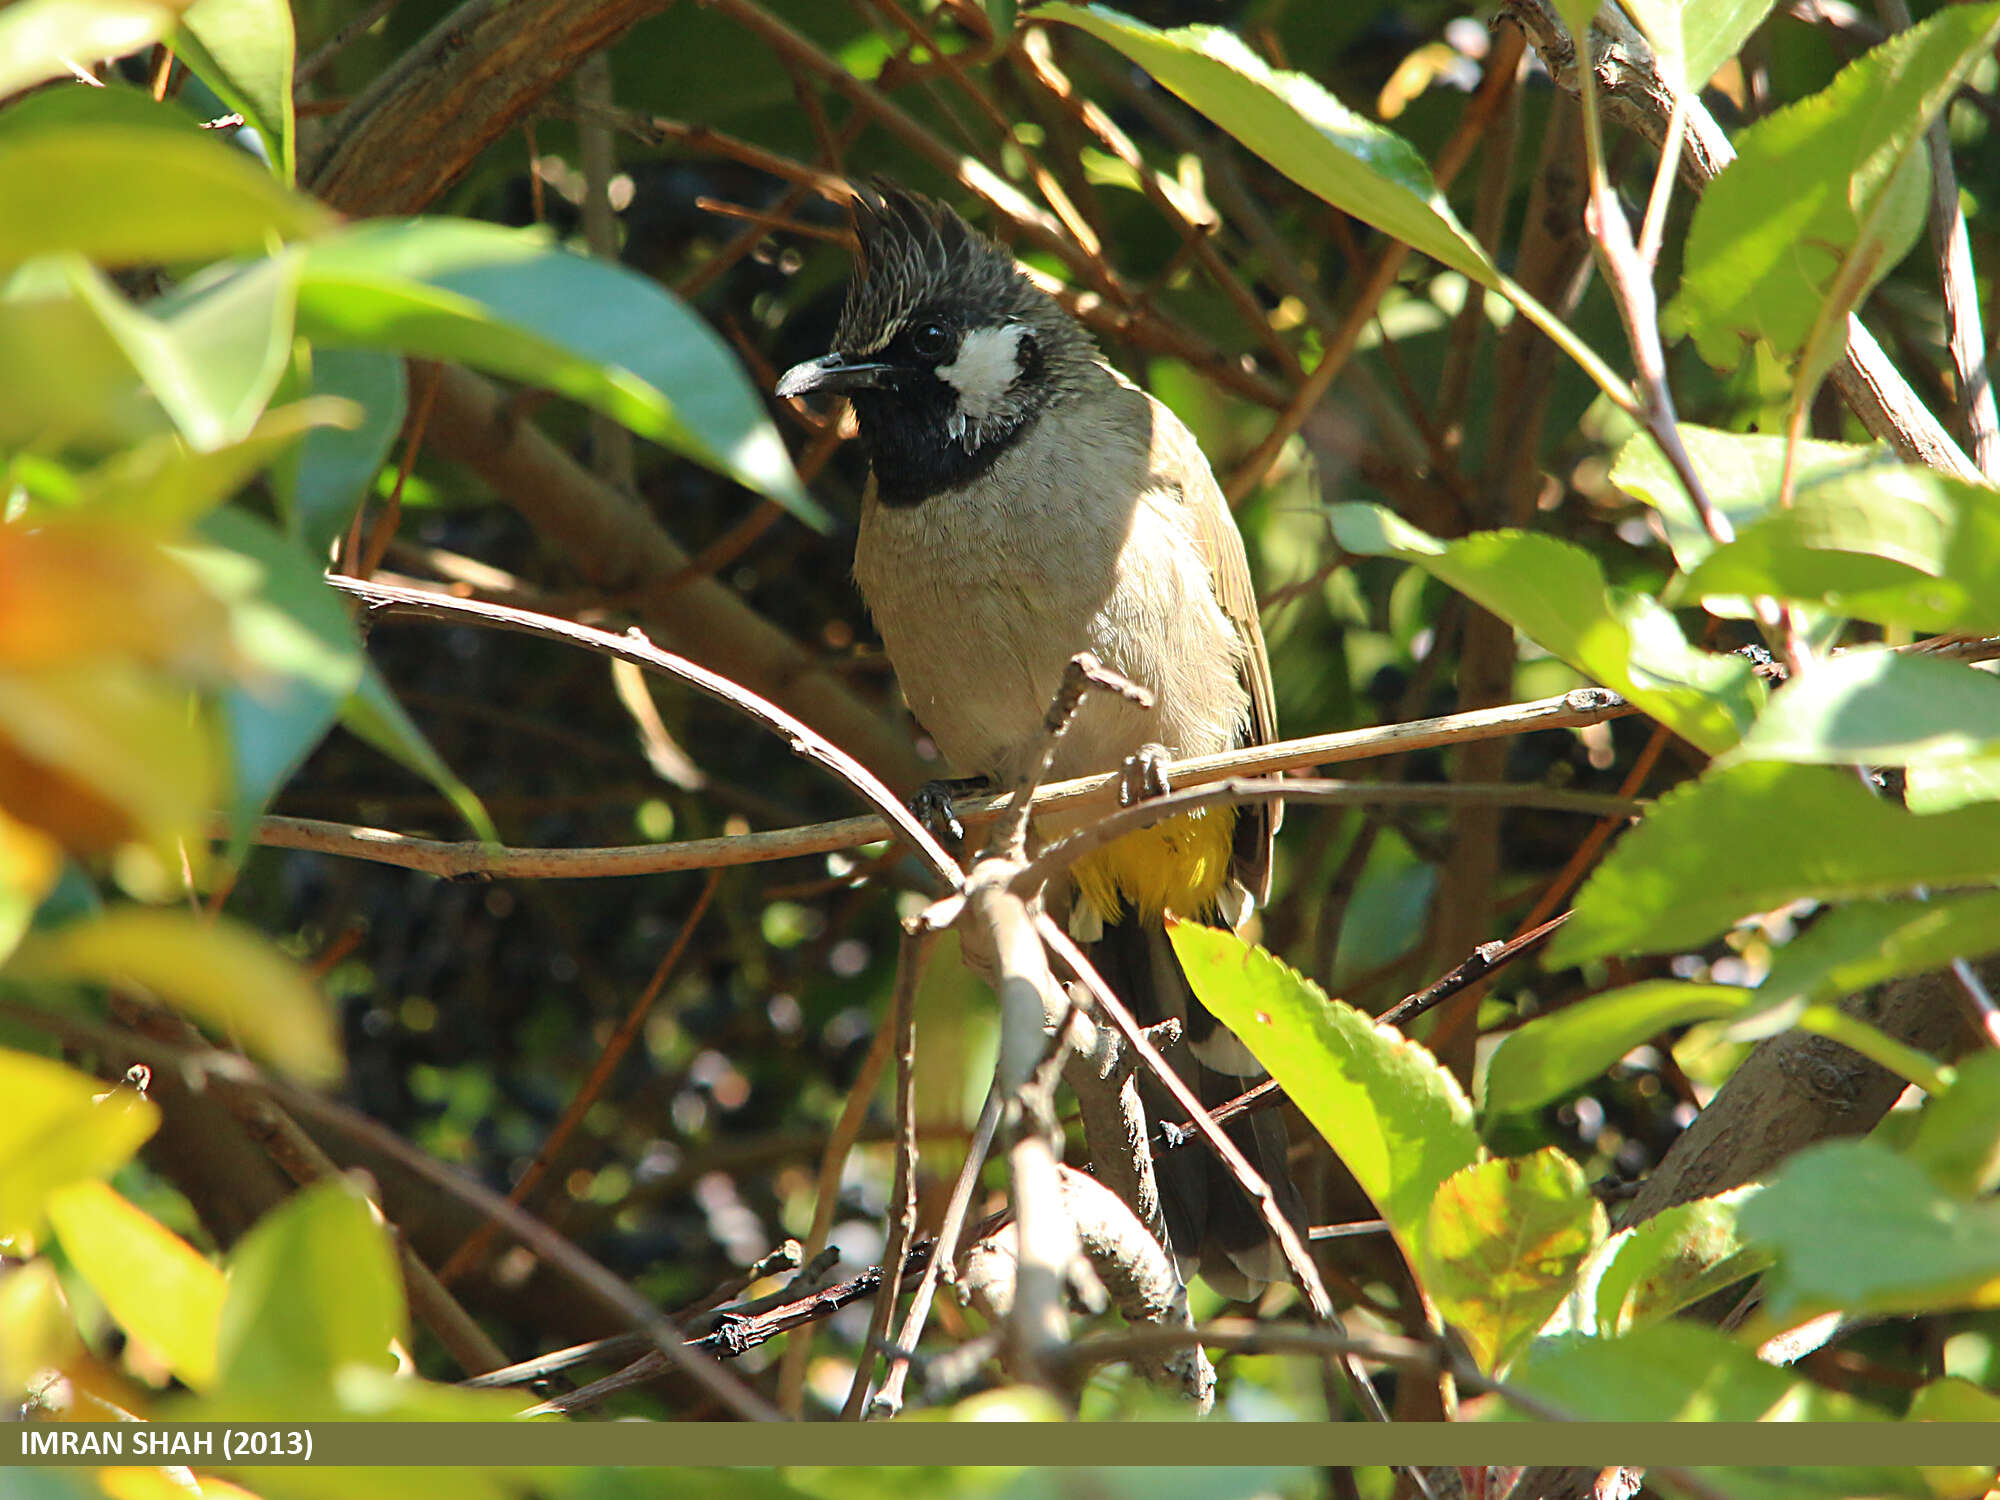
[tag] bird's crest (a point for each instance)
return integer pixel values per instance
(915, 252)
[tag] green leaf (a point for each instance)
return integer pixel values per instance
(1741, 474)
(1555, 1055)
(313, 1289)
(1693, 38)
(162, 485)
(1751, 837)
(1856, 1229)
(39, 38)
(1954, 1400)
(113, 103)
(1673, 1260)
(321, 482)
(372, 714)
(219, 971)
(1299, 128)
(65, 382)
(216, 356)
(124, 196)
(152, 1282)
(1939, 786)
(513, 303)
(1502, 1247)
(1393, 1115)
(245, 51)
(295, 632)
(1826, 194)
(1673, 1372)
(55, 1130)
(1958, 1134)
(1879, 708)
(1892, 543)
(1864, 943)
(1555, 594)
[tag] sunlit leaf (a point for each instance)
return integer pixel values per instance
(153, 1283)
(217, 970)
(1826, 194)
(1676, 1258)
(1502, 1247)
(313, 1287)
(40, 38)
(56, 1130)
(245, 51)
(1391, 1112)
(1958, 1134)
(1555, 1055)
(1298, 127)
(1863, 943)
(1755, 836)
(1856, 1228)
(1555, 594)
(511, 302)
(122, 195)
(1879, 708)
(37, 1329)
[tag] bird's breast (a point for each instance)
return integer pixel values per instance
(983, 593)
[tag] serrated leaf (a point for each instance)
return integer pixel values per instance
(39, 38)
(245, 50)
(1879, 708)
(1888, 542)
(1555, 594)
(371, 713)
(218, 971)
(513, 303)
(1741, 474)
(1555, 1055)
(124, 195)
(1673, 1260)
(313, 1288)
(1391, 1112)
(320, 483)
(1751, 837)
(1502, 1247)
(56, 1130)
(154, 1284)
(1826, 194)
(1298, 127)
(1863, 943)
(1855, 1228)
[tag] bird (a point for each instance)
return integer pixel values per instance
(1026, 502)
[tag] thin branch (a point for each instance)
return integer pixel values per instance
(801, 738)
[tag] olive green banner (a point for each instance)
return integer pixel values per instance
(207, 1445)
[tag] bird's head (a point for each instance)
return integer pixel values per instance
(947, 350)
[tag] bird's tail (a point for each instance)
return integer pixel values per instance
(1215, 1226)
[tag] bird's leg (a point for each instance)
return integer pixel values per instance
(933, 805)
(1144, 775)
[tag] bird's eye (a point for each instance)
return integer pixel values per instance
(930, 338)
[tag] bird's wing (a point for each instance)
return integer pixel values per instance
(1175, 451)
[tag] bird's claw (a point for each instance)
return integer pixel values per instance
(933, 807)
(1144, 776)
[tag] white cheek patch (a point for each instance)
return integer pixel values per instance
(984, 371)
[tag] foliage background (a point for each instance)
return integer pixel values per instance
(470, 1012)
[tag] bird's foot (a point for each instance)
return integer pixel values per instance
(933, 806)
(1144, 776)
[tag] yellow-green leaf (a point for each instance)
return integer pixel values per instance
(220, 971)
(56, 1129)
(153, 1283)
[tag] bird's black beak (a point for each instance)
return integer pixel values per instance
(831, 372)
